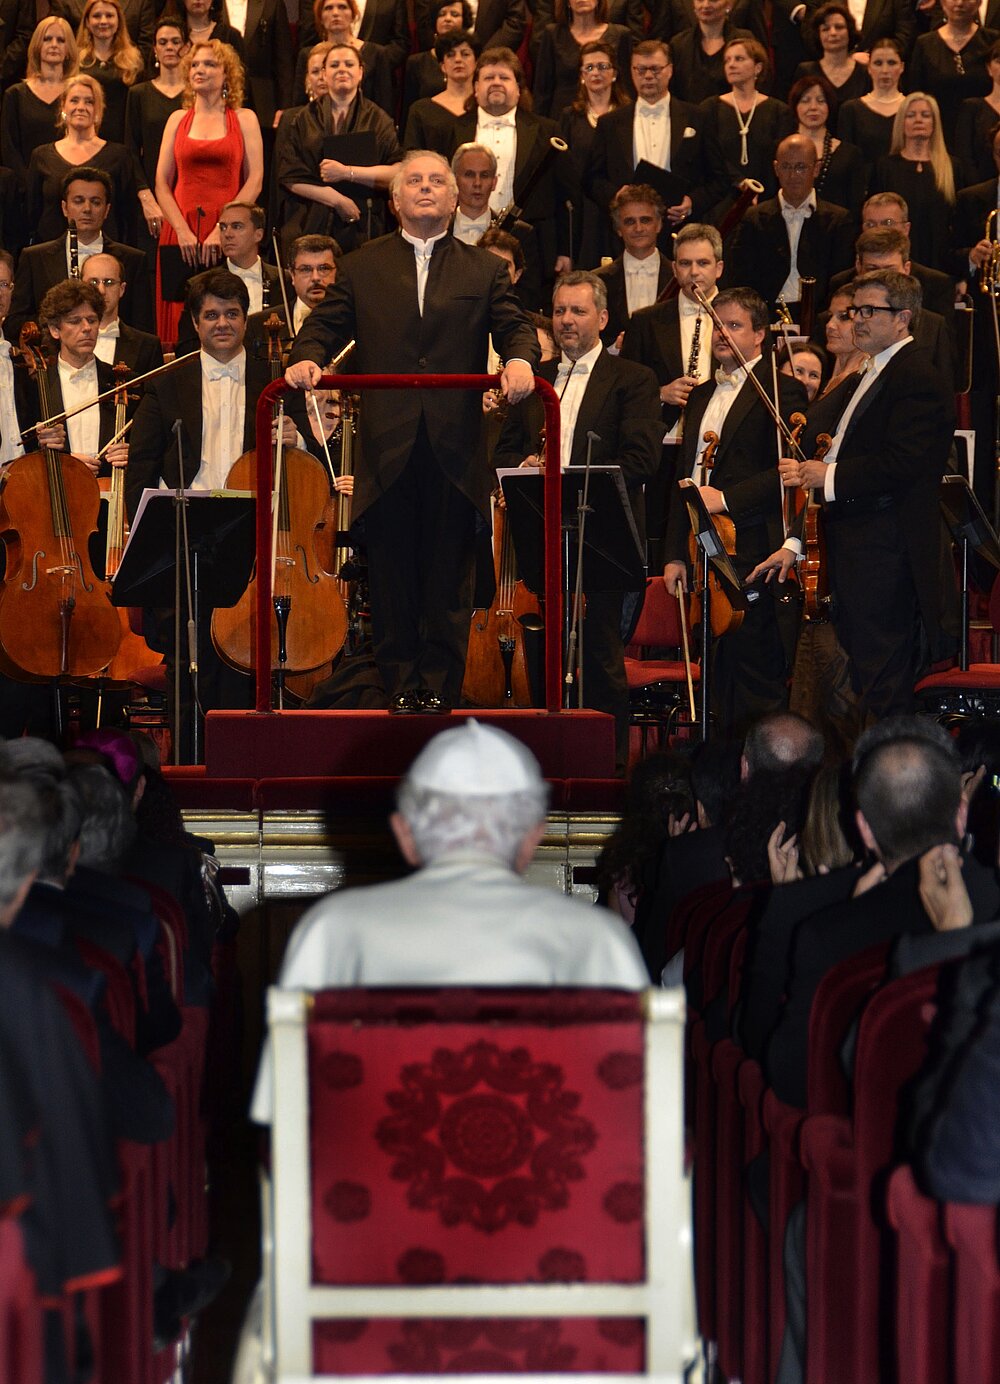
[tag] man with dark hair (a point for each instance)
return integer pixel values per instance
(311, 269)
(878, 241)
(86, 201)
(617, 401)
(641, 272)
(749, 663)
(879, 490)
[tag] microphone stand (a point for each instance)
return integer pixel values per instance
(182, 561)
(574, 641)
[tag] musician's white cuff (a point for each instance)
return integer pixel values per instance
(829, 483)
(794, 545)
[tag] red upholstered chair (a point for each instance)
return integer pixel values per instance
(923, 1283)
(974, 692)
(658, 693)
(477, 1181)
(971, 1231)
(21, 1353)
(846, 1159)
(751, 1088)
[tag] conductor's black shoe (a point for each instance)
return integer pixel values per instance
(433, 703)
(406, 704)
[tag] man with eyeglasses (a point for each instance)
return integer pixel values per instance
(878, 485)
(311, 269)
(793, 235)
(117, 342)
(657, 129)
(887, 214)
(86, 201)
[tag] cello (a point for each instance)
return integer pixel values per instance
(723, 616)
(309, 623)
(496, 668)
(56, 616)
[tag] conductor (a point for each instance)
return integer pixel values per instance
(420, 303)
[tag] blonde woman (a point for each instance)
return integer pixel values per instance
(108, 53)
(211, 155)
(81, 145)
(31, 108)
(922, 171)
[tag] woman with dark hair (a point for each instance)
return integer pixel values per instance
(834, 27)
(658, 804)
(431, 121)
(866, 121)
(557, 66)
(922, 171)
(81, 143)
(845, 357)
(599, 91)
(809, 364)
(422, 76)
(203, 21)
(147, 110)
(743, 128)
(978, 117)
(699, 72)
(949, 63)
(840, 176)
(108, 53)
(335, 21)
(324, 195)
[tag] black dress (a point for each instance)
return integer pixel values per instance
(868, 131)
(115, 95)
(430, 126)
(27, 123)
(422, 77)
(591, 234)
(557, 67)
(147, 111)
(948, 76)
(699, 76)
(973, 130)
(856, 85)
(772, 121)
(930, 214)
(841, 180)
(46, 170)
(299, 163)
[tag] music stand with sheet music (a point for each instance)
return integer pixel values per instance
(714, 558)
(222, 537)
(612, 553)
(972, 531)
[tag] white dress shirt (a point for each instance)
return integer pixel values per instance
(11, 445)
(423, 249)
(236, 13)
(300, 311)
(642, 277)
(794, 219)
(468, 230)
(727, 391)
(872, 371)
(107, 341)
(572, 378)
(83, 431)
(499, 133)
(83, 252)
(651, 132)
(254, 280)
(223, 409)
(356, 23)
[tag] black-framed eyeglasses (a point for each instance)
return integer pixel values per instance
(866, 311)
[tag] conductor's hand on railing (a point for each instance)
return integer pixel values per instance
(517, 381)
(304, 374)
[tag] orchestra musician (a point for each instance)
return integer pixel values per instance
(312, 268)
(674, 339)
(749, 663)
(117, 342)
(417, 302)
(879, 490)
(641, 272)
(475, 170)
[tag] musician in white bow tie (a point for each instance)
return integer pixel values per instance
(750, 664)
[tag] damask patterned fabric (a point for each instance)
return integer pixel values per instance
(502, 1154)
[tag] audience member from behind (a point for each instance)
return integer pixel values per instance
(471, 813)
(658, 804)
(21, 841)
(781, 740)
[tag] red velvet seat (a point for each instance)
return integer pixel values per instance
(657, 685)
(923, 1283)
(846, 1158)
(750, 1088)
(493, 1180)
(21, 1354)
(976, 691)
(971, 1231)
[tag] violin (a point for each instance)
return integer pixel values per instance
(814, 574)
(723, 615)
(309, 622)
(56, 616)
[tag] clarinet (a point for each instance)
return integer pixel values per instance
(693, 358)
(74, 251)
(265, 290)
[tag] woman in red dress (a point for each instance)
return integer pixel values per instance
(211, 155)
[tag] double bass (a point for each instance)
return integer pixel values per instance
(309, 618)
(56, 616)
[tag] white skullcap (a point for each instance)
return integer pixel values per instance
(475, 761)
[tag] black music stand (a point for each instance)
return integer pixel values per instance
(713, 558)
(973, 532)
(222, 536)
(612, 553)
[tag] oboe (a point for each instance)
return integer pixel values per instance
(694, 357)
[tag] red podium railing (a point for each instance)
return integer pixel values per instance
(552, 503)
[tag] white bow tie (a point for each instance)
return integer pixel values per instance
(649, 267)
(797, 213)
(5, 347)
(84, 373)
(495, 124)
(223, 372)
(575, 367)
(112, 331)
(653, 112)
(724, 378)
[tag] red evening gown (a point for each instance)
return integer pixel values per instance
(209, 174)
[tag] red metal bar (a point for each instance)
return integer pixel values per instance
(552, 502)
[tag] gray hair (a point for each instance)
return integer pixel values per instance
(494, 825)
(574, 277)
(408, 158)
(697, 230)
(22, 837)
(108, 827)
(472, 148)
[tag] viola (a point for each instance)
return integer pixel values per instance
(56, 616)
(814, 573)
(723, 615)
